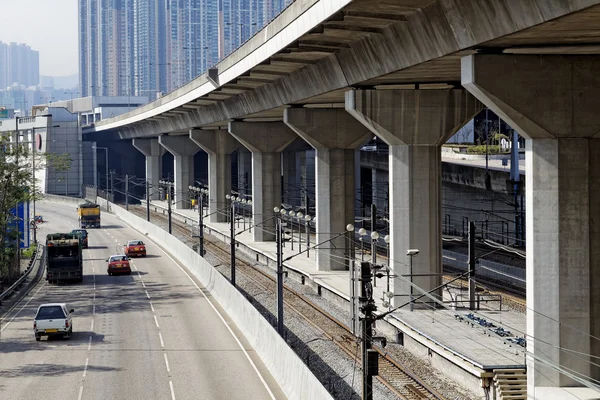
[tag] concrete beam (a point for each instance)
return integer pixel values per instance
(153, 152)
(414, 123)
(335, 135)
(183, 150)
(219, 145)
(552, 101)
(265, 140)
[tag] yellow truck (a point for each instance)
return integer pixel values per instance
(89, 215)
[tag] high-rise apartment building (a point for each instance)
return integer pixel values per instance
(147, 47)
(19, 65)
(106, 47)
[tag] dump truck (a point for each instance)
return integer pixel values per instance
(64, 261)
(89, 215)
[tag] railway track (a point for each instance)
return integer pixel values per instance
(402, 382)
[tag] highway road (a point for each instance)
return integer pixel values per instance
(151, 335)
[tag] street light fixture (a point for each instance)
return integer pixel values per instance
(411, 253)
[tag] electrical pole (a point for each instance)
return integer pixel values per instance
(374, 241)
(369, 357)
(17, 204)
(169, 200)
(112, 186)
(472, 261)
(201, 224)
(279, 239)
(232, 242)
(127, 192)
(34, 145)
(147, 201)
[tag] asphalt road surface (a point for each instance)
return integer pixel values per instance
(151, 335)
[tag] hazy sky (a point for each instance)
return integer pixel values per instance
(48, 26)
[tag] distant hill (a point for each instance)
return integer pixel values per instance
(62, 82)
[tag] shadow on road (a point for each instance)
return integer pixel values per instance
(51, 370)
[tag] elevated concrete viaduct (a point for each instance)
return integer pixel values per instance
(398, 68)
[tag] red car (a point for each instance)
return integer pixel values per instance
(135, 248)
(118, 264)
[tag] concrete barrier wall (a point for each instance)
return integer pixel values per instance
(294, 377)
(62, 199)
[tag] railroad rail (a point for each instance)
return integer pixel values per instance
(398, 379)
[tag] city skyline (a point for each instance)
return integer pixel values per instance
(54, 36)
(151, 47)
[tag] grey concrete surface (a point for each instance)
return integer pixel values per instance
(414, 123)
(266, 141)
(153, 152)
(183, 150)
(219, 145)
(335, 135)
(126, 329)
(561, 123)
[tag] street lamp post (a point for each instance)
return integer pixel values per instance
(232, 234)
(168, 185)
(411, 253)
(201, 192)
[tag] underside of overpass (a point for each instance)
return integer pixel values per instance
(412, 72)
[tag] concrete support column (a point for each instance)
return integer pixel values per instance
(219, 145)
(153, 152)
(552, 101)
(414, 123)
(183, 150)
(265, 140)
(335, 135)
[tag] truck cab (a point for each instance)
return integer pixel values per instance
(89, 215)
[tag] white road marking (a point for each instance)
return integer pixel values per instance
(87, 361)
(167, 363)
(162, 343)
(90, 344)
(147, 295)
(25, 305)
(143, 284)
(222, 319)
(151, 307)
(135, 267)
(93, 309)
(156, 322)
(92, 326)
(80, 392)
(172, 390)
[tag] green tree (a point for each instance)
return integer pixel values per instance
(18, 184)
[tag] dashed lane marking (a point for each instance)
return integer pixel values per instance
(172, 390)
(87, 361)
(162, 343)
(156, 322)
(167, 363)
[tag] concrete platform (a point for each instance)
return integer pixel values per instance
(460, 347)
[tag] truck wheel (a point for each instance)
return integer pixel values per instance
(38, 338)
(67, 335)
